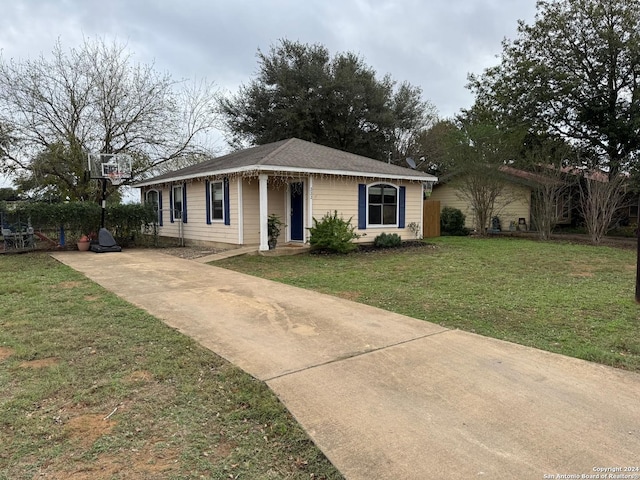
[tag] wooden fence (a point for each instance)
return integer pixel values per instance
(431, 219)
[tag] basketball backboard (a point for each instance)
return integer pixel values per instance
(115, 167)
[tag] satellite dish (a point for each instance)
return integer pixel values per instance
(410, 162)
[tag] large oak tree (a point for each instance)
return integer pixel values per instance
(575, 74)
(301, 91)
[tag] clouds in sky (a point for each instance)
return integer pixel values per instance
(433, 44)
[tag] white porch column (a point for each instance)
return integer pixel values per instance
(240, 213)
(264, 209)
(309, 218)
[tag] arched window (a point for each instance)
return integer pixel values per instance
(152, 197)
(382, 204)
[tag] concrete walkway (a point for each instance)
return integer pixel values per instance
(386, 396)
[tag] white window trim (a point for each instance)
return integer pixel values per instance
(180, 199)
(157, 203)
(384, 225)
(216, 220)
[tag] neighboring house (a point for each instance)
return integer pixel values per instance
(227, 200)
(513, 206)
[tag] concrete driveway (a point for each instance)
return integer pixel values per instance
(386, 396)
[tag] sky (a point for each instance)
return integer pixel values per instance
(433, 44)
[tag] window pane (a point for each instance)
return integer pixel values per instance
(375, 194)
(217, 201)
(389, 215)
(375, 214)
(217, 191)
(389, 195)
(152, 199)
(177, 202)
(217, 211)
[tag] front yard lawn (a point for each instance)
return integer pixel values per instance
(577, 300)
(92, 387)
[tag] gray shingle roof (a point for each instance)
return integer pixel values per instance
(292, 155)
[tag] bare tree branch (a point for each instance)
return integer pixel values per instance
(96, 98)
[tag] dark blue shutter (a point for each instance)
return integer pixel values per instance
(207, 200)
(160, 207)
(184, 203)
(402, 201)
(171, 203)
(362, 206)
(227, 209)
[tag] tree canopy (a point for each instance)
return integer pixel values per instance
(301, 91)
(574, 73)
(56, 110)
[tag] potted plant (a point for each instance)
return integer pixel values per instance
(83, 243)
(274, 226)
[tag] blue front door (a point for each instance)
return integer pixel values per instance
(297, 211)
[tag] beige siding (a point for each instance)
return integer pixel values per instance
(519, 207)
(276, 201)
(413, 209)
(448, 197)
(512, 206)
(341, 194)
(196, 228)
(251, 211)
(328, 194)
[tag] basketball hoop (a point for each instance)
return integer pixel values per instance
(115, 167)
(116, 177)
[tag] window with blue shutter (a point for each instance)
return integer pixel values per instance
(382, 205)
(218, 201)
(153, 198)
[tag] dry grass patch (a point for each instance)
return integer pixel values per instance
(86, 429)
(6, 352)
(139, 376)
(40, 363)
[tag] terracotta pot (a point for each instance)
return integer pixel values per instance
(84, 246)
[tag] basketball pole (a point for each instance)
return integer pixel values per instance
(104, 201)
(638, 256)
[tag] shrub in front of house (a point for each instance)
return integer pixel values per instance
(333, 234)
(629, 231)
(452, 222)
(387, 240)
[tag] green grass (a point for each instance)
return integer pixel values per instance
(577, 300)
(72, 353)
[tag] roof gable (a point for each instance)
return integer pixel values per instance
(292, 155)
